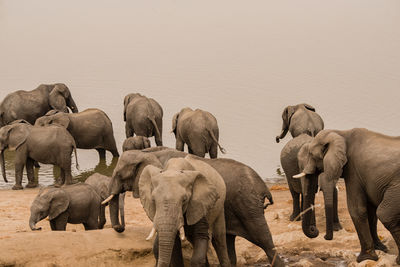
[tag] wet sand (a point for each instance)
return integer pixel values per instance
(76, 247)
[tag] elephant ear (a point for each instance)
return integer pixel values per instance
(305, 160)
(59, 202)
(57, 98)
(146, 188)
(17, 135)
(309, 107)
(287, 114)
(175, 122)
(203, 198)
(127, 100)
(62, 120)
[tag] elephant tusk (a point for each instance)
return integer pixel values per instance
(318, 190)
(150, 236)
(107, 199)
(337, 188)
(300, 175)
(182, 233)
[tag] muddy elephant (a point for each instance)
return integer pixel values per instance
(50, 145)
(187, 197)
(78, 203)
(198, 129)
(30, 105)
(244, 202)
(91, 129)
(369, 162)
(136, 143)
(304, 188)
(300, 119)
(101, 184)
(143, 117)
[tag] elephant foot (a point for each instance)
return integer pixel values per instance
(367, 255)
(337, 226)
(295, 216)
(119, 228)
(17, 187)
(31, 185)
(380, 246)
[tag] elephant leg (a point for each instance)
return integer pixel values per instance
(179, 145)
(336, 223)
(91, 225)
(67, 173)
(372, 220)
(213, 151)
(176, 257)
(219, 240)
(30, 173)
(59, 223)
(200, 242)
(20, 162)
(102, 217)
(388, 213)
(158, 139)
(230, 243)
(121, 208)
(296, 205)
(37, 165)
(102, 153)
(357, 206)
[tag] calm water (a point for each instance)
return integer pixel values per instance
(242, 61)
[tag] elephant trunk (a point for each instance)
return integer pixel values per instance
(3, 166)
(328, 199)
(114, 208)
(71, 104)
(308, 218)
(166, 239)
(285, 128)
(32, 223)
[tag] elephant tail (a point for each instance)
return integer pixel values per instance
(76, 156)
(155, 125)
(223, 151)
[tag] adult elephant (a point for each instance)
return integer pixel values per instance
(300, 119)
(49, 145)
(143, 117)
(306, 187)
(187, 196)
(369, 162)
(30, 105)
(244, 202)
(199, 130)
(91, 129)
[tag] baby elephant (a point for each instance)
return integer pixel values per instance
(136, 143)
(78, 203)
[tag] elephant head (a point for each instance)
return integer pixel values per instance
(12, 136)
(127, 99)
(51, 203)
(169, 197)
(327, 153)
(287, 115)
(126, 178)
(60, 98)
(175, 118)
(53, 117)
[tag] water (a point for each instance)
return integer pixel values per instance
(244, 62)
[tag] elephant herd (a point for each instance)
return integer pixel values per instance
(187, 196)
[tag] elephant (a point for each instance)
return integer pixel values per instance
(50, 145)
(244, 202)
(306, 187)
(300, 119)
(136, 143)
(143, 117)
(199, 130)
(101, 184)
(78, 203)
(187, 196)
(91, 128)
(30, 105)
(369, 162)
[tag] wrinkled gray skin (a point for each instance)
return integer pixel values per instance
(369, 162)
(136, 143)
(186, 193)
(30, 105)
(197, 129)
(143, 117)
(49, 145)
(306, 187)
(78, 203)
(91, 128)
(244, 204)
(300, 119)
(101, 184)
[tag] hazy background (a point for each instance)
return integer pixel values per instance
(243, 61)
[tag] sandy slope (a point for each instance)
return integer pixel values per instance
(76, 247)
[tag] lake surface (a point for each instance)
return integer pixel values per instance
(242, 61)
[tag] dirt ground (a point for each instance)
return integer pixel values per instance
(19, 246)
